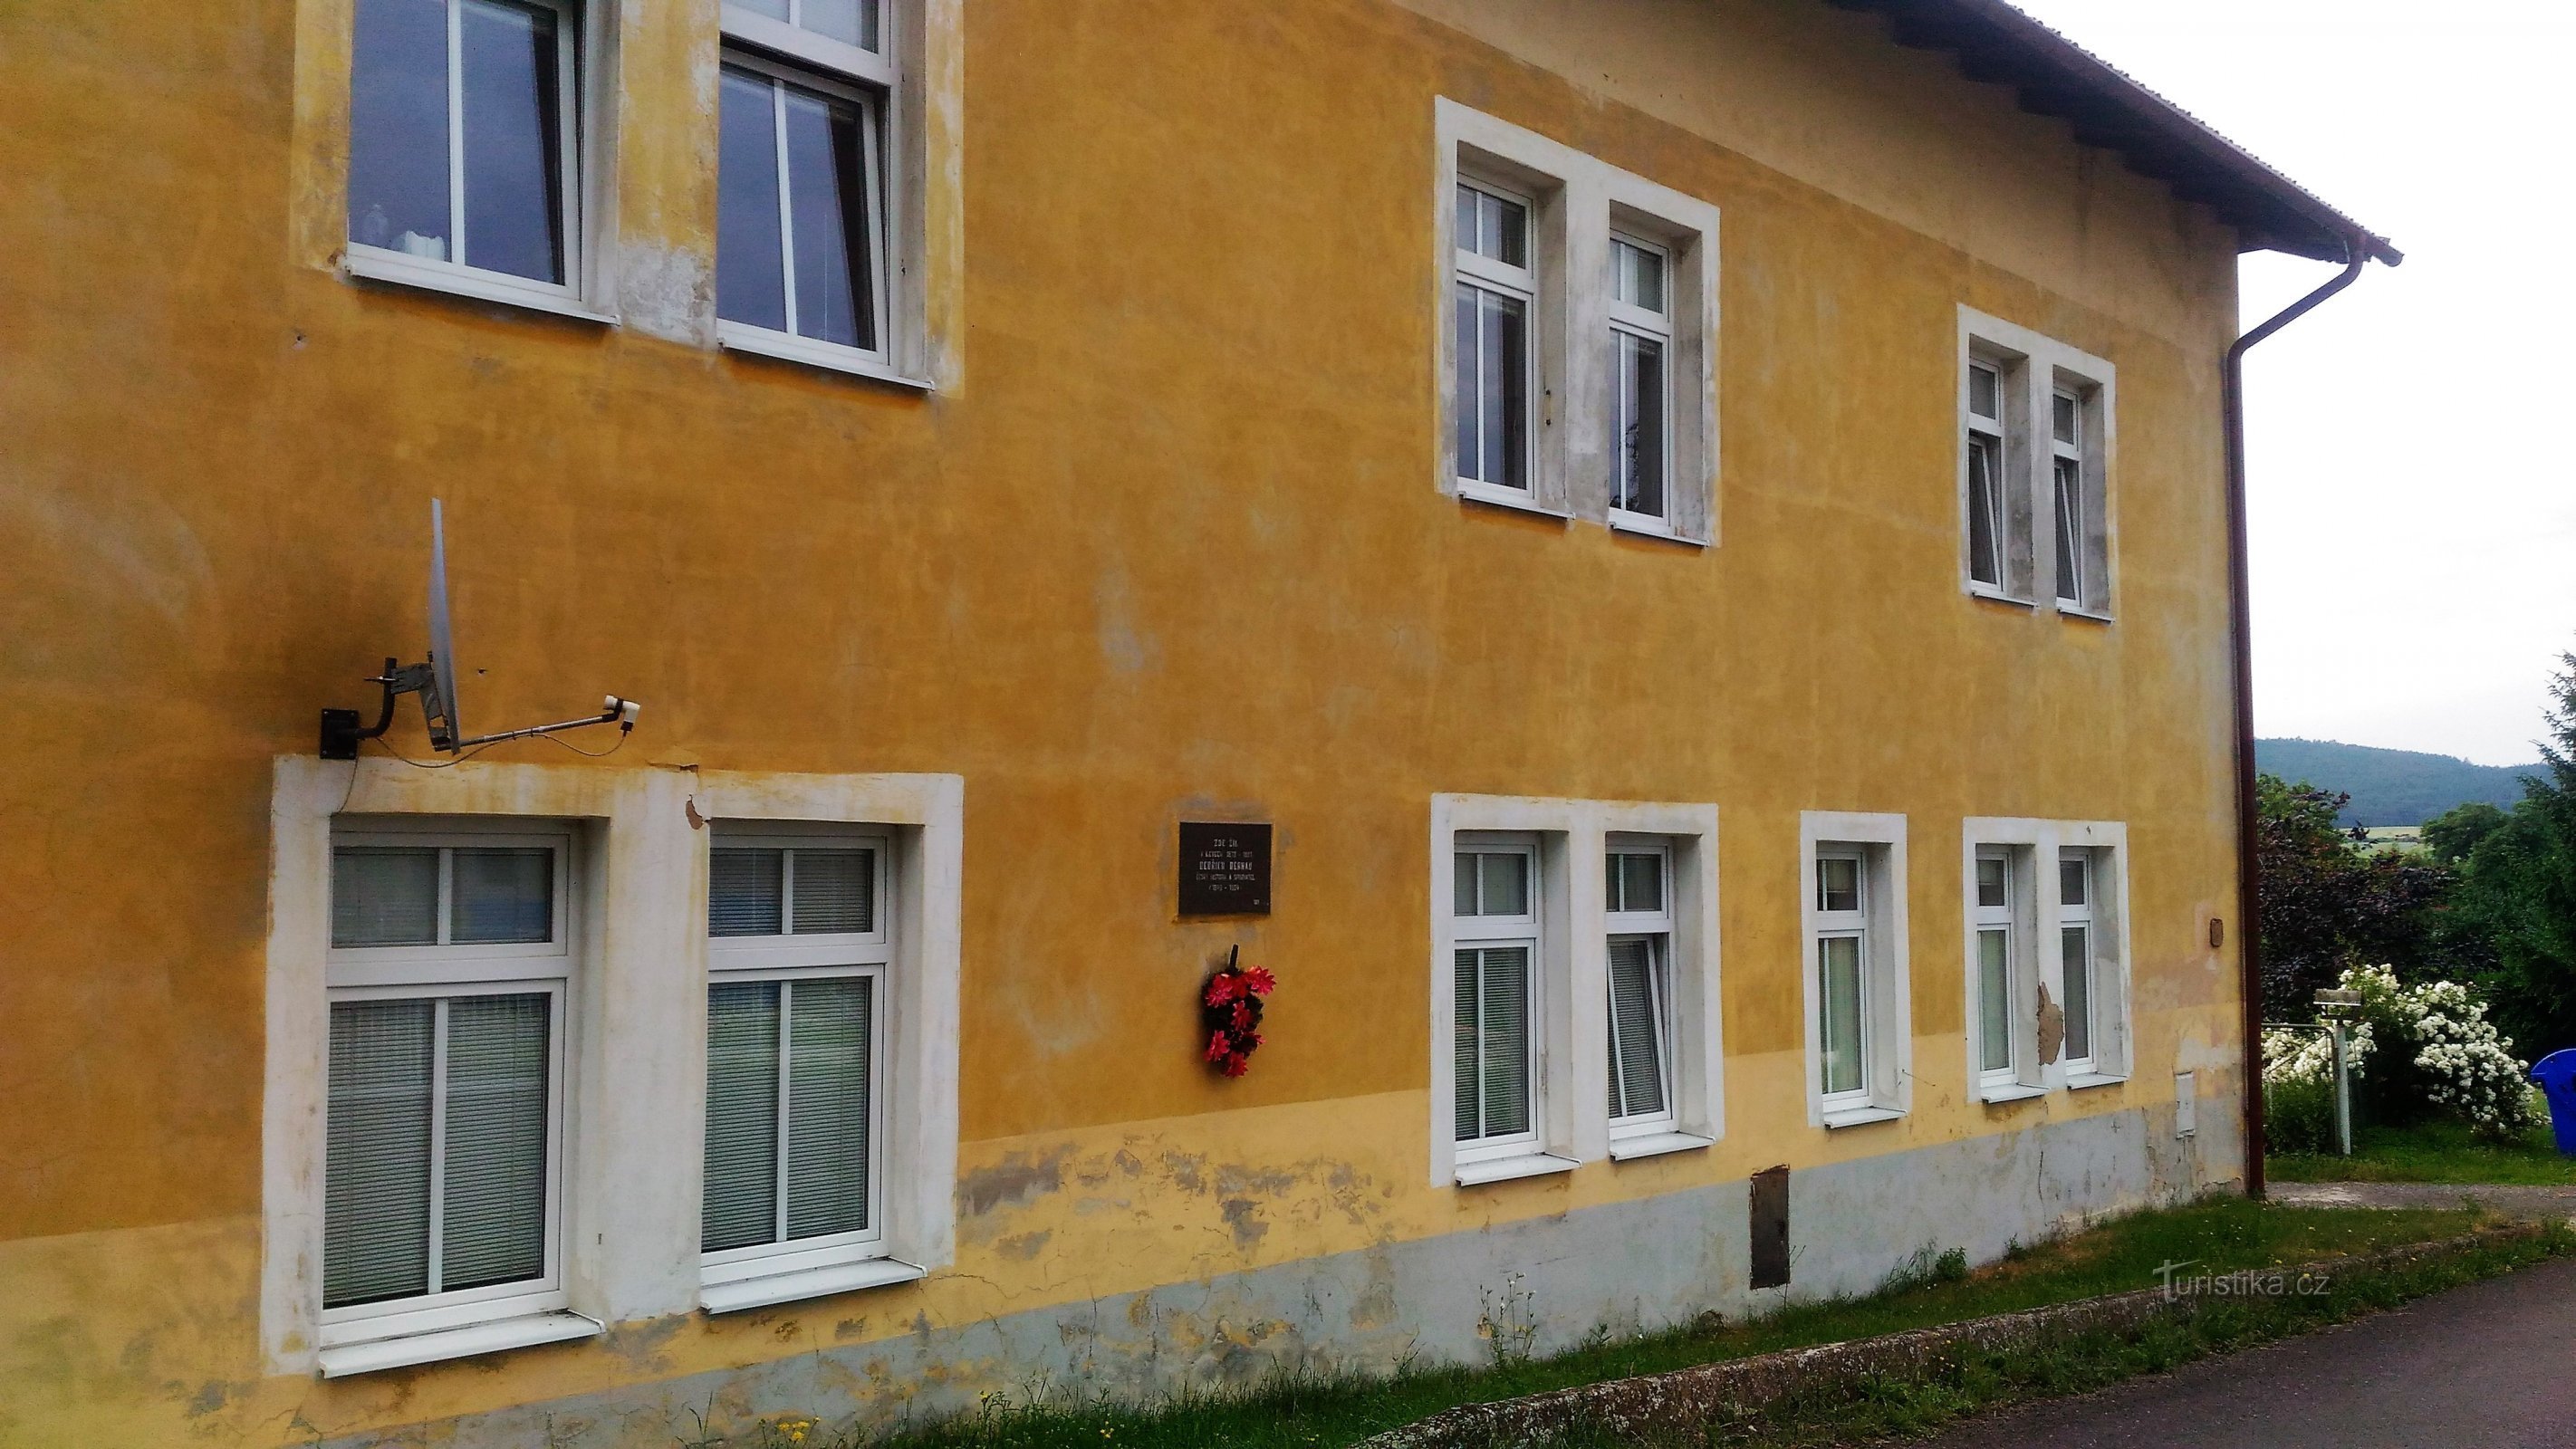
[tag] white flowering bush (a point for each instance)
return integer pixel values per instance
(2446, 1056)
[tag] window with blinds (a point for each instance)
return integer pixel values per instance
(448, 972)
(1494, 996)
(1993, 912)
(1638, 902)
(2076, 955)
(797, 955)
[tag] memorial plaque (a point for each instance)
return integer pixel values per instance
(1225, 869)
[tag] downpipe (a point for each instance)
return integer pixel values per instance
(2240, 609)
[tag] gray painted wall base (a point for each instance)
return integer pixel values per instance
(1538, 1286)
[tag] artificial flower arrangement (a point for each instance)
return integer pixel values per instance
(1230, 1008)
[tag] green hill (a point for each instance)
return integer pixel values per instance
(2391, 787)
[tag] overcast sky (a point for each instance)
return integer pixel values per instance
(2414, 508)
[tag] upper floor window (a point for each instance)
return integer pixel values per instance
(464, 154)
(2034, 460)
(1641, 337)
(801, 236)
(1496, 290)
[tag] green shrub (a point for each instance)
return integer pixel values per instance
(2298, 1116)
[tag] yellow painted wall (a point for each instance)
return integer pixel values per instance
(1169, 545)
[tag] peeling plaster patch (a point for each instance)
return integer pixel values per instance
(1265, 1181)
(1022, 1247)
(1242, 1217)
(1186, 1168)
(1015, 1181)
(640, 1344)
(665, 292)
(849, 1328)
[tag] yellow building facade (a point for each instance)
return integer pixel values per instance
(1150, 480)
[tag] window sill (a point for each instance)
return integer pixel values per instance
(1518, 500)
(378, 265)
(831, 357)
(1656, 1144)
(2078, 1081)
(1997, 596)
(447, 1343)
(1638, 525)
(806, 1283)
(1860, 1116)
(1504, 1169)
(2015, 1092)
(2066, 610)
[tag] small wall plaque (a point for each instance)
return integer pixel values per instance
(1225, 869)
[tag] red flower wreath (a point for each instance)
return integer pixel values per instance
(1230, 1008)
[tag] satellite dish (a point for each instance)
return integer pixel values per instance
(438, 701)
(435, 682)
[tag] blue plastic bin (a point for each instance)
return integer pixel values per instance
(2556, 1074)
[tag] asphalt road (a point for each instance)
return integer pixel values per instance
(2490, 1364)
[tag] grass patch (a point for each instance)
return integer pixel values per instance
(2431, 1152)
(1934, 1288)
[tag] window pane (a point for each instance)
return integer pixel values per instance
(384, 896)
(494, 1215)
(2062, 417)
(2073, 880)
(1467, 1040)
(836, 891)
(513, 151)
(1985, 392)
(1462, 872)
(1502, 370)
(1641, 425)
(503, 896)
(1470, 387)
(744, 890)
(1985, 509)
(1994, 999)
(827, 196)
(751, 272)
(1506, 884)
(2078, 976)
(740, 1207)
(1506, 1049)
(828, 1050)
(375, 1176)
(1838, 969)
(1509, 231)
(2070, 530)
(398, 162)
(1990, 881)
(853, 22)
(774, 9)
(1641, 882)
(1637, 1009)
(1837, 883)
(1636, 275)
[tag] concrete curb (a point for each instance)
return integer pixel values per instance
(1686, 1398)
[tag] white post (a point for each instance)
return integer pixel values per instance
(2343, 1090)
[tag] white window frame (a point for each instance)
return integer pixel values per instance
(1629, 320)
(795, 57)
(2007, 430)
(2018, 841)
(1525, 930)
(2043, 843)
(1573, 931)
(638, 1005)
(576, 117)
(1469, 269)
(789, 958)
(443, 972)
(2036, 369)
(1887, 1086)
(1578, 202)
(1656, 925)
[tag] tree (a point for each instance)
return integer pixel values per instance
(2455, 832)
(2518, 901)
(2326, 906)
